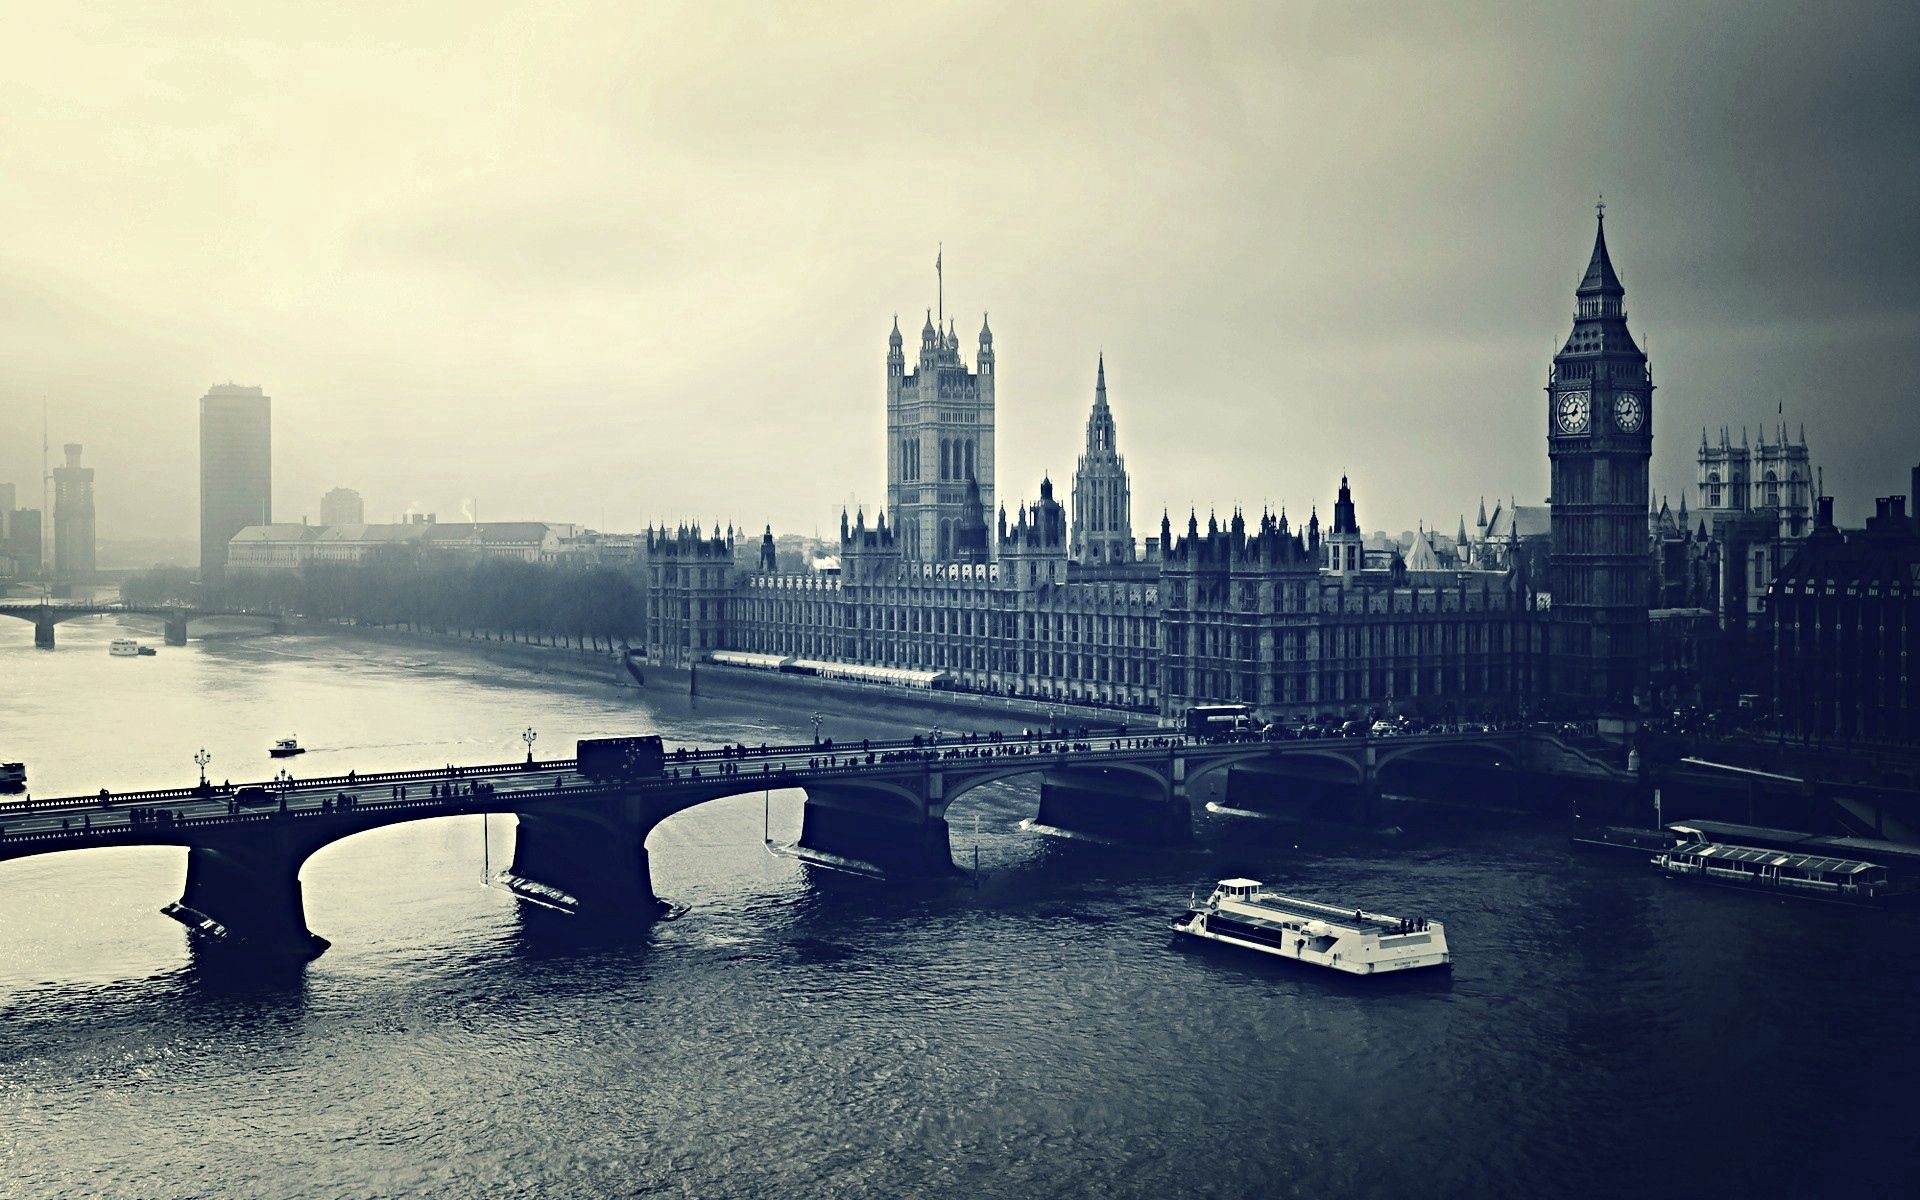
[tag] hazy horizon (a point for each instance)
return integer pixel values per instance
(611, 266)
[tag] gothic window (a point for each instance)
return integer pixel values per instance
(968, 473)
(946, 463)
(1773, 490)
(1713, 489)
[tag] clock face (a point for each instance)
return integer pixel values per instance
(1626, 412)
(1572, 412)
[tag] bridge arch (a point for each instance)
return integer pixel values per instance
(1471, 753)
(965, 780)
(1351, 766)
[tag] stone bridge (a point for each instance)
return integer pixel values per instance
(580, 842)
(46, 614)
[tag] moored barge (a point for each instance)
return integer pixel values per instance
(1816, 876)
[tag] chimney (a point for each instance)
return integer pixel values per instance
(1823, 518)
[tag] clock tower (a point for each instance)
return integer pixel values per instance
(1599, 443)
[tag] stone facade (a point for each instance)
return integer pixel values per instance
(939, 441)
(1599, 443)
(1102, 497)
(1844, 612)
(1228, 615)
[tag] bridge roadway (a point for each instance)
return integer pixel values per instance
(580, 841)
(46, 614)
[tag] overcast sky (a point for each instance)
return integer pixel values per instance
(630, 262)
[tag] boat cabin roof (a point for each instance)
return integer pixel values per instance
(1818, 864)
(1252, 884)
(1885, 853)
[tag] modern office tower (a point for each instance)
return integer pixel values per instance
(342, 506)
(236, 468)
(73, 530)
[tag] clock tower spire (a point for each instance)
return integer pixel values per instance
(1599, 444)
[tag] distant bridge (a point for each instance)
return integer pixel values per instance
(580, 842)
(46, 614)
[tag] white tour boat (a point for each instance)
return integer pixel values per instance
(123, 648)
(1818, 876)
(286, 747)
(1241, 912)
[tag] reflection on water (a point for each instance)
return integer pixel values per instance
(1031, 1033)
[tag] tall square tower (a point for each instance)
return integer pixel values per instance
(939, 439)
(236, 469)
(1599, 443)
(73, 527)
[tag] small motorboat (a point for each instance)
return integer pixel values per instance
(286, 747)
(147, 651)
(13, 777)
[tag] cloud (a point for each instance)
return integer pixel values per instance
(490, 249)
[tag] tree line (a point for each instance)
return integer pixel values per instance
(503, 599)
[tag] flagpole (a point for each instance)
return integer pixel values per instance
(940, 287)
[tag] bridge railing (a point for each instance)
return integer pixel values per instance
(128, 830)
(676, 760)
(692, 754)
(824, 764)
(388, 778)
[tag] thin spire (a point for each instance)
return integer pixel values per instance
(940, 280)
(1600, 277)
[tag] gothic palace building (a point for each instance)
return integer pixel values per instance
(1297, 620)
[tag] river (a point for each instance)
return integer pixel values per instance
(1029, 1032)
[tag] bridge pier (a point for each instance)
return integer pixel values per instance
(243, 891)
(176, 629)
(43, 633)
(1115, 803)
(586, 857)
(1302, 791)
(902, 837)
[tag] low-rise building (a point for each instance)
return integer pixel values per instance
(259, 548)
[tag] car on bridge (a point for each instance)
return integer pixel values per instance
(252, 795)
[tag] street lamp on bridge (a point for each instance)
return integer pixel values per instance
(202, 759)
(529, 737)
